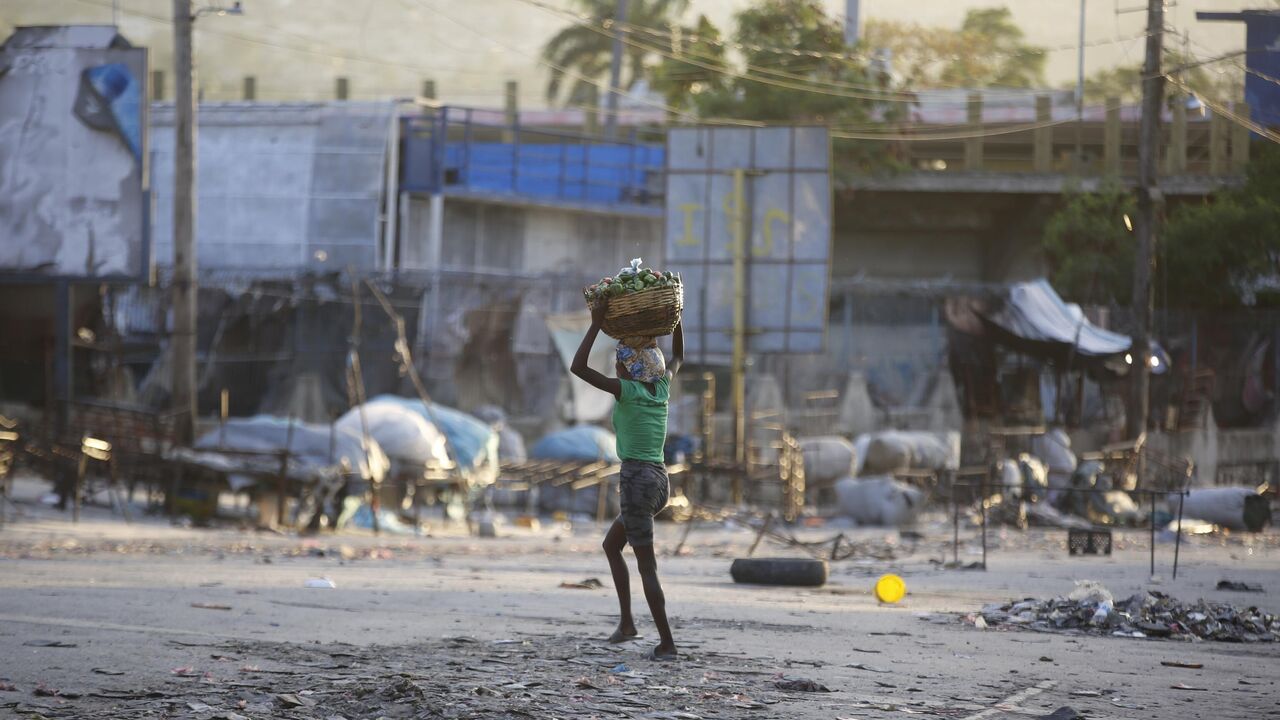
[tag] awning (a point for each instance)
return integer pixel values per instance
(1033, 318)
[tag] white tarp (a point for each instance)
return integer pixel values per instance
(878, 501)
(567, 330)
(1034, 311)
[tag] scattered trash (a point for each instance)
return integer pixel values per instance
(210, 606)
(1063, 713)
(1086, 693)
(588, 584)
(292, 701)
(620, 668)
(890, 589)
(108, 671)
(1046, 658)
(1239, 586)
(868, 668)
(7, 687)
(50, 644)
(1090, 607)
(1176, 664)
(187, 671)
(1181, 686)
(801, 685)
(320, 583)
(980, 623)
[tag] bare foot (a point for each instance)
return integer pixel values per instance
(663, 653)
(624, 633)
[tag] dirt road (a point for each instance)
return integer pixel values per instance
(107, 620)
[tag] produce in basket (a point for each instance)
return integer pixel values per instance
(629, 280)
(643, 303)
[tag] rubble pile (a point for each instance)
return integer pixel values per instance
(1090, 609)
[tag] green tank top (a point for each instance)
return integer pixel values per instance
(640, 420)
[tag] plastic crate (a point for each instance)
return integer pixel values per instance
(1089, 542)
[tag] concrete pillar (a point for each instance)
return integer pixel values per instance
(342, 88)
(157, 84)
(1239, 140)
(591, 113)
(1111, 138)
(1176, 160)
(429, 89)
(973, 145)
(1217, 144)
(511, 110)
(434, 251)
(250, 87)
(1042, 153)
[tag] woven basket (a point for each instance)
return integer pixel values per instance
(648, 313)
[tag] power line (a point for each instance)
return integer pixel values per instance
(337, 55)
(796, 82)
(1222, 110)
(672, 31)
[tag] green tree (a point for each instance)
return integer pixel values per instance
(1214, 254)
(988, 49)
(585, 51)
(1125, 81)
(1089, 247)
(685, 76)
(776, 96)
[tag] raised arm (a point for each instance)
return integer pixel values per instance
(580, 366)
(677, 350)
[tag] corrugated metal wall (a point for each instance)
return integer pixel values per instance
(279, 186)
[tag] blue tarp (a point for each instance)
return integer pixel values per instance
(584, 442)
(596, 173)
(470, 440)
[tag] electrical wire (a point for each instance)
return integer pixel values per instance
(336, 55)
(1222, 110)
(673, 31)
(801, 83)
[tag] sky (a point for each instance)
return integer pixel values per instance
(296, 48)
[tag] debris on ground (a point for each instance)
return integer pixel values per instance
(319, 584)
(540, 676)
(801, 685)
(1239, 586)
(588, 584)
(1091, 609)
(1179, 664)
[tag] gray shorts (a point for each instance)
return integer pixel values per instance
(644, 488)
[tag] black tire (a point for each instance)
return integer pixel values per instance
(801, 572)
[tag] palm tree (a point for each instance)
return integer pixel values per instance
(581, 52)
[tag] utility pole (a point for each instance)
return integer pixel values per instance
(183, 342)
(852, 22)
(1150, 205)
(615, 72)
(1079, 163)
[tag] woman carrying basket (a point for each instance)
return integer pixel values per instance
(640, 421)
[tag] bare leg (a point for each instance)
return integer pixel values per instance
(648, 565)
(614, 541)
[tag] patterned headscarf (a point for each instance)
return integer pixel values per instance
(642, 358)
